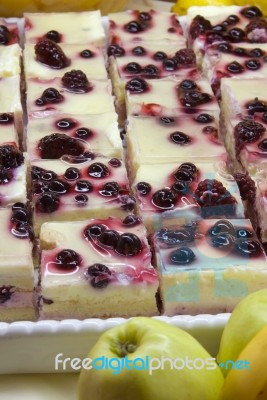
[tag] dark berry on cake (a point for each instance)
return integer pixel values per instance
(53, 35)
(183, 255)
(6, 292)
(94, 231)
(143, 188)
(6, 175)
(134, 27)
(138, 51)
(170, 64)
(167, 120)
(235, 67)
(236, 35)
(223, 241)
(110, 189)
(58, 186)
(86, 53)
(199, 26)
(150, 71)
(49, 96)
(224, 47)
(164, 199)
(115, 50)
(5, 35)
(194, 98)
(66, 124)
(115, 162)
(256, 53)
(257, 30)
(6, 118)
(204, 118)
(128, 245)
(263, 145)
(109, 238)
(51, 54)
(240, 52)
(98, 170)
(133, 68)
(144, 16)
(252, 64)
(48, 202)
(72, 173)
(244, 233)
(180, 187)
(83, 186)
(180, 138)
(221, 227)
(251, 12)
(131, 220)
(99, 274)
(10, 156)
(57, 145)
(249, 131)
(76, 81)
(68, 259)
(248, 247)
(81, 199)
(187, 84)
(185, 57)
(136, 85)
(246, 185)
(256, 105)
(160, 56)
(21, 224)
(83, 133)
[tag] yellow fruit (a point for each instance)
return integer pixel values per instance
(15, 8)
(249, 384)
(181, 6)
(262, 4)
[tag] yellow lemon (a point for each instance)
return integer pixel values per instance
(262, 4)
(181, 6)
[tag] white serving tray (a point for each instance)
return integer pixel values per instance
(31, 347)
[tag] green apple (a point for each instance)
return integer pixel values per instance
(144, 338)
(247, 319)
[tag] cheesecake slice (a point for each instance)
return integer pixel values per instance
(237, 60)
(186, 190)
(16, 266)
(208, 266)
(70, 27)
(74, 93)
(97, 268)
(47, 59)
(161, 140)
(78, 188)
(169, 96)
(136, 26)
(56, 135)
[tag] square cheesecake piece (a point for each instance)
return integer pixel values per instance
(10, 60)
(169, 96)
(208, 266)
(97, 268)
(38, 62)
(136, 26)
(185, 190)
(149, 60)
(73, 93)
(156, 140)
(70, 27)
(241, 60)
(13, 174)
(10, 98)
(16, 265)
(234, 24)
(78, 188)
(56, 135)
(9, 32)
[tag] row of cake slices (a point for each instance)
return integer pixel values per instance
(62, 191)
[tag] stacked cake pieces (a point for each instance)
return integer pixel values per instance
(16, 266)
(90, 203)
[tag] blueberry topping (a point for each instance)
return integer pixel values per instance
(138, 51)
(137, 85)
(86, 53)
(115, 162)
(221, 227)
(167, 120)
(232, 19)
(150, 71)
(81, 199)
(235, 68)
(144, 16)
(56, 145)
(48, 52)
(185, 57)
(248, 247)
(53, 35)
(210, 130)
(4, 35)
(66, 124)
(131, 220)
(219, 28)
(183, 255)
(170, 64)
(98, 170)
(100, 274)
(256, 53)
(180, 138)
(48, 202)
(224, 47)
(72, 174)
(188, 167)
(76, 81)
(18, 206)
(115, 50)
(49, 96)
(243, 233)
(143, 188)
(164, 199)
(194, 98)
(133, 68)
(68, 259)
(204, 118)
(58, 186)
(240, 52)
(223, 241)
(160, 56)
(128, 245)
(134, 27)
(110, 189)
(253, 64)
(109, 238)
(249, 131)
(236, 35)
(187, 84)
(10, 156)
(263, 145)
(83, 133)
(94, 231)
(256, 106)
(251, 12)
(47, 175)
(83, 186)
(6, 118)
(6, 175)
(180, 187)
